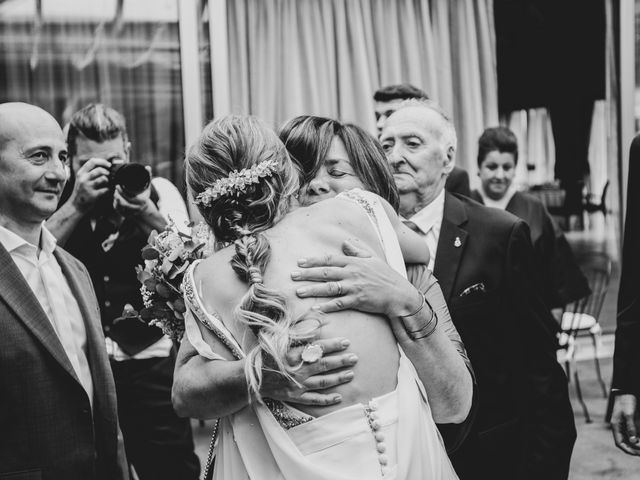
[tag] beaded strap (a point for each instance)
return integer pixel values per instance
(359, 197)
(194, 304)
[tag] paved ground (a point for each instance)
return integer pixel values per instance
(595, 456)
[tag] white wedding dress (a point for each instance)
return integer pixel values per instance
(390, 437)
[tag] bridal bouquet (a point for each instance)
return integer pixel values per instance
(166, 258)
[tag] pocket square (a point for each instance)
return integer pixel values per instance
(477, 287)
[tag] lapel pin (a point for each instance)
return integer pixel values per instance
(457, 243)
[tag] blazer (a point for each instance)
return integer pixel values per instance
(626, 357)
(48, 429)
(458, 182)
(562, 280)
(524, 425)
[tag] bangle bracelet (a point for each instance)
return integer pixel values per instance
(426, 332)
(417, 330)
(422, 303)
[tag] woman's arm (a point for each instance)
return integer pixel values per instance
(205, 388)
(369, 284)
(412, 245)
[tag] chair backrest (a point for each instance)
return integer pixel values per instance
(590, 206)
(597, 268)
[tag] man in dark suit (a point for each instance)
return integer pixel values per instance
(58, 404)
(388, 99)
(626, 359)
(482, 257)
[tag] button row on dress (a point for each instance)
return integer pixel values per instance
(374, 424)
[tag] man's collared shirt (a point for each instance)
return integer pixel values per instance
(44, 275)
(429, 222)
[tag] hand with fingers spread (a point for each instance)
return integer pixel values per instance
(330, 370)
(206, 389)
(624, 423)
(358, 281)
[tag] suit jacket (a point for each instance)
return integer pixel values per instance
(458, 182)
(562, 281)
(48, 429)
(626, 357)
(524, 426)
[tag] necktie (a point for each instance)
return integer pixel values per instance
(430, 238)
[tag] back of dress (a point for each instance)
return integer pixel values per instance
(384, 427)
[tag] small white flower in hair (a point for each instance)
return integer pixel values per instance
(236, 182)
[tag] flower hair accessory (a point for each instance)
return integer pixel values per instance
(236, 182)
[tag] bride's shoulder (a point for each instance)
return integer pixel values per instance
(213, 277)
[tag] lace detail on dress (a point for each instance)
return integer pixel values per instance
(359, 196)
(286, 417)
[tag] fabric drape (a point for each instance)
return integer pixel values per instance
(291, 57)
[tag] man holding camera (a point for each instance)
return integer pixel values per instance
(105, 222)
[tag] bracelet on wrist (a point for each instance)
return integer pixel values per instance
(414, 327)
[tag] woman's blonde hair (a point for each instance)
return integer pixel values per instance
(231, 144)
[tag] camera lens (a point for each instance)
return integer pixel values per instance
(132, 177)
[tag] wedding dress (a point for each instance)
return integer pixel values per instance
(392, 436)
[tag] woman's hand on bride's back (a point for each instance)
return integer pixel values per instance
(332, 369)
(358, 281)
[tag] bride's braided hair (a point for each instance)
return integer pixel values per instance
(231, 144)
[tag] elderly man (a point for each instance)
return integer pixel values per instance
(482, 258)
(58, 404)
(388, 99)
(106, 221)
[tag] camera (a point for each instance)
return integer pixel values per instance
(132, 177)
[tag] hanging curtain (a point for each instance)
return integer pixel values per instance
(536, 148)
(62, 55)
(327, 57)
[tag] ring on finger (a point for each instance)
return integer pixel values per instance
(338, 288)
(312, 352)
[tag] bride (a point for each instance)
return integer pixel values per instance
(243, 305)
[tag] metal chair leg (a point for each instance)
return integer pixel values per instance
(609, 412)
(580, 399)
(597, 362)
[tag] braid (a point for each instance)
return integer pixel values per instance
(226, 146)
(262, 309)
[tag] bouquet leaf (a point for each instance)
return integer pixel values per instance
(150, 253)
(167, 256)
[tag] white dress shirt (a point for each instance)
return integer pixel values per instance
(429, 222)
(44, 275)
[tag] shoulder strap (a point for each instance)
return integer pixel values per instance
(210, 320)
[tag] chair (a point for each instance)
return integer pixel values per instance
(582, 318)
(589, 204)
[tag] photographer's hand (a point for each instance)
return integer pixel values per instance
(92, 180)
(91, 184)
(140, 208)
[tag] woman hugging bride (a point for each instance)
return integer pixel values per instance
(242, 306)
